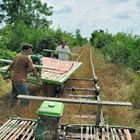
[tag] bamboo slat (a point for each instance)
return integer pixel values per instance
(116, 134)
(17, 129)
(121, 134)
(113, 137)
(128, 135)
(8, 128)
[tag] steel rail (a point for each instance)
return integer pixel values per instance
(99, 115)
(81, 54)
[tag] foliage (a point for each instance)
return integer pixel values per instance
(79, 37)
(26, 21)
(32, 12)
(21, 33)
(53, 37)
(121, 48)
(7, 54)
(99, 38)
(12, 38)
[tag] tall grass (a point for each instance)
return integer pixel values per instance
(118, 83)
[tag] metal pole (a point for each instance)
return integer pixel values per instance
(75, 101)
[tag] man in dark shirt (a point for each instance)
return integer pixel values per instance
(19, 70)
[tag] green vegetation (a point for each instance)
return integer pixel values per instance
(27, 21)
(123, 49)
(12, 38)
(33, 13)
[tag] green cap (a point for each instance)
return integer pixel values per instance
(49, 108)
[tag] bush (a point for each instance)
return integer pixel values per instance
(121, 48)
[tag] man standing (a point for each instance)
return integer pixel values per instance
(19, 70)
(63, 51)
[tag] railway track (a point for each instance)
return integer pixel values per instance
(84, 84)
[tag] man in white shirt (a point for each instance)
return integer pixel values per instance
(63, 51)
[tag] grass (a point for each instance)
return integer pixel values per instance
(5, 87)
(118, 83)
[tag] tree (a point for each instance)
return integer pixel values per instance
(32, 12)
(79, 37)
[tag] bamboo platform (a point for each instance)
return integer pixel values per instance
(50, 71)
(18, 129)
(56, 78)
(24, 129)
(59, 78)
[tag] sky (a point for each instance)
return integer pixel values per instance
(90, 15)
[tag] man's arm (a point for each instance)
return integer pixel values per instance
(33, 69)
(37, 76)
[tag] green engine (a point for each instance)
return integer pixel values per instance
(48, 121)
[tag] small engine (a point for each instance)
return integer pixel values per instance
(48, 121)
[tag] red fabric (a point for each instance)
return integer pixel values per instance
(58, 66)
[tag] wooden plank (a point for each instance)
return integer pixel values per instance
(116, 134)
(81, 132)
(45, 75)
(12, 132)
(60, 77)
(91, 133)
(121, 134)
(30, 135)
(87, 133)
(103, 134)
(32, 126)
(75, 101)
(53, 77)
(19, 128)
(96, 133)
(48, 77)
(107, 131)
(56, 77)
(4, 125)
(128, 135)
(9, 128)
(113, 137)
